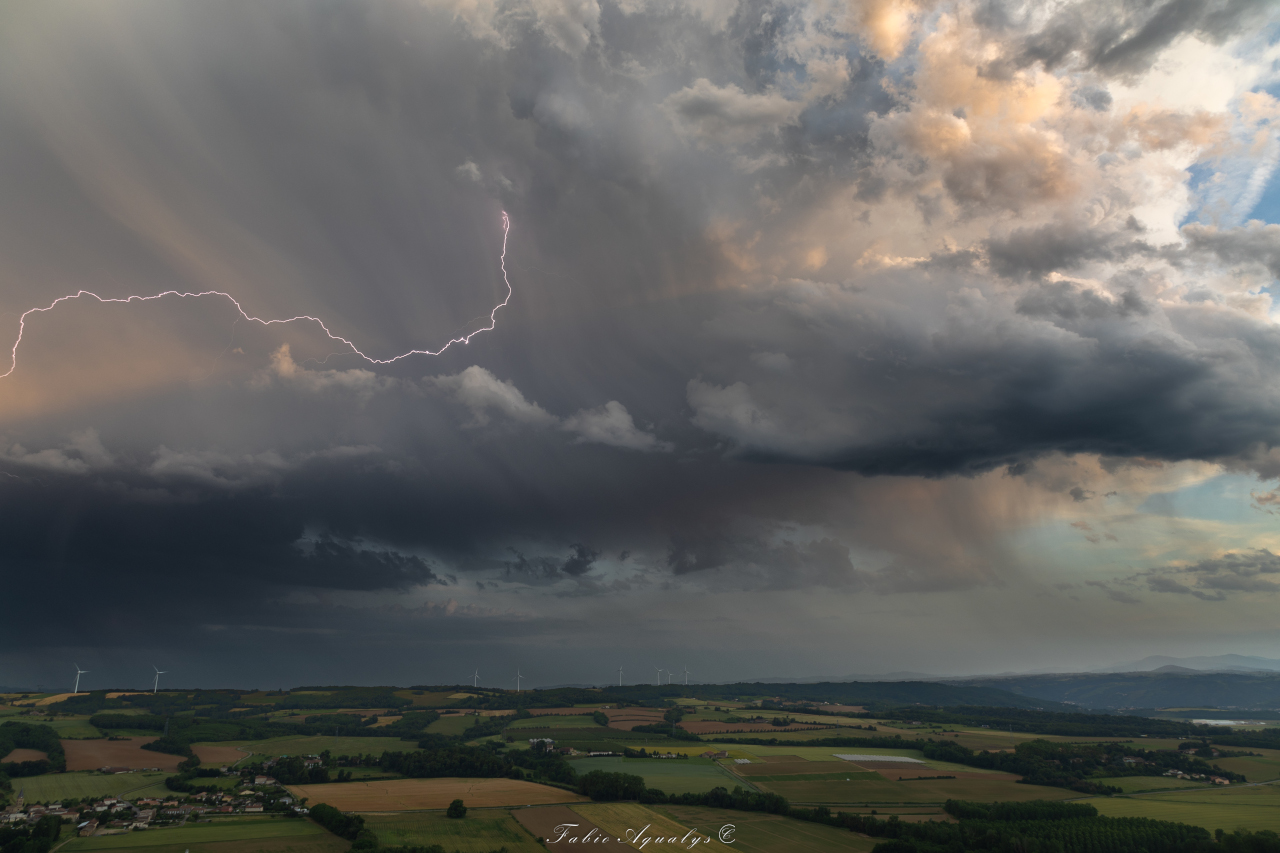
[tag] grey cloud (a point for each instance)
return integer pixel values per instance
(1214, 579)
(654, 389)
(611, 424)
(1114, 594)
(1056, 246)
(726, 114)
(1125, 38)
(1254, 243)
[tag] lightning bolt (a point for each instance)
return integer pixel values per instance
(465, 339)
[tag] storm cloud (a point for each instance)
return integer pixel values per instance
(811, 304)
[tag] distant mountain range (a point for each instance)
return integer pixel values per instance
(1215, 663)
(1151, 663)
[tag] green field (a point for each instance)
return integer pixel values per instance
(753, 832)
(554, 721)
(481, 831)
(765, 833)
(453, 724)
(1250, 807)
(73, 727)
(1134, 784)
(925, 791)
(317, 745)
(55, 787)
(672, 775)
(1254, 769)
(241, 830)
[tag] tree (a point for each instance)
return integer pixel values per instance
(456, 809)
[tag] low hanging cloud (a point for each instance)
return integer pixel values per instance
(486, 395)
(1216, 579)
(611, 424)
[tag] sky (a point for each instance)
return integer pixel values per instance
(841, 337)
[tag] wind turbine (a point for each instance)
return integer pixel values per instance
(518, 677)
(619, 676)
(659, 675)
(79, 672)
(476, 679)
(686, 676)
(159, 672)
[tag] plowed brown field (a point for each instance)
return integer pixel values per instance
(92, 754)
(25, 755)
(399, 795)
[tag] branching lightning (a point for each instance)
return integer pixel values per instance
(465, 339)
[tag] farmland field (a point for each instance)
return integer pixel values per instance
(73, 727)
(753, 832)
(1131, 784)
(542, 821)
(53, 787)
(706, 727)
(426, 699)
(674, 776)
(617, 818)
(766, 833)
(928, 791)
(92, 754)
(412, 794)
(1252, 807)
(478, 832)
(555, 722)
(25, 755)
(453, 724)
(1255, 769)
(317, 745)
(216, 754)
(233, 836)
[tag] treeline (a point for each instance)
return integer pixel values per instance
(1076, 766)
(348, 826)
(1034, 827)
(15, 735)
(341, 697)
(485, 761)
(1261, 739)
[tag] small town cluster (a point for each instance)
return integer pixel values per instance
(117, 815)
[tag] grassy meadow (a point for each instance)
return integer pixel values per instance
(240, 835)
(453, 724)
(55, 787)
(1251, 807)
(554, 721)
(478, 832)
(673, 776)
(316, 745)
(753, 832)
